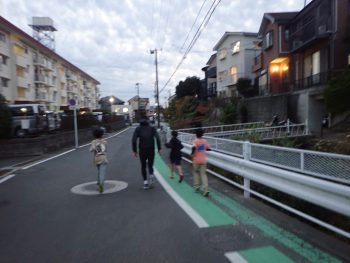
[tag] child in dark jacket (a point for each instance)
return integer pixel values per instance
(175, 155)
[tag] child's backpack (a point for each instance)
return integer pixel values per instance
(100, 148)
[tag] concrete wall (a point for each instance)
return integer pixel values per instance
(263, 108)
(47, 143)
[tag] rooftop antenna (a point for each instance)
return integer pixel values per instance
(43, 31)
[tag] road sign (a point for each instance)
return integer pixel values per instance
(72, 102)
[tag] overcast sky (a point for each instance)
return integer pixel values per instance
(111, 39)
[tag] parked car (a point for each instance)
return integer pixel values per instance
(27, 119)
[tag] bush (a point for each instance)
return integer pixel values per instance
(5, 119)
(337, 94)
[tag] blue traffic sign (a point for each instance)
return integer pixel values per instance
(71, 102)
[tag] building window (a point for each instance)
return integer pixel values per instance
(233, 72)
(3, 59)
(268, 40)
(4, 82)
(2, 37)
(236, 47)
(222, 53)
(349, 59)
(222, 75)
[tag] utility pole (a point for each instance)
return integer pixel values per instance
(138, 99)
(154, 51)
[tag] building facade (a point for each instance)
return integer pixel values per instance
(31, 72)
(234, 60)
(210, 77)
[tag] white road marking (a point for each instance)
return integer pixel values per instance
(45, 160)
(235, 257)
(200, 222)
(58, 155)
(84, 145)
(7, 178)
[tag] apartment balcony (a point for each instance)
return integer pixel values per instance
(21, 61)
(63, 93)
(39, 62)
(22, 82)
(4, 49)
(257, 63)
(320, 79)
(315, 30)
(39, 78)
(42, 96)
(71, 77)
(211, 73)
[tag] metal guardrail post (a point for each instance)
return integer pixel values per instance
(246, 155)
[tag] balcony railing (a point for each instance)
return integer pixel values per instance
(311, 81)
(318, 27)
(211, 73)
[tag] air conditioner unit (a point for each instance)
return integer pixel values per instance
(322, 29)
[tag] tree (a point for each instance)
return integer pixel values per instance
(190, 87)
(5, 118)
(229, 114)
(337, 93)
(245, 88)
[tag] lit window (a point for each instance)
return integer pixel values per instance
(349, 59)
(236, 47)
(234, 74)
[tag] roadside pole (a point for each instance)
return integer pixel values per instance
(76, 128)
(73, 106)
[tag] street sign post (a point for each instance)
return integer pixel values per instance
(72, 106)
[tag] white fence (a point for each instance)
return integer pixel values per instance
(335, 167)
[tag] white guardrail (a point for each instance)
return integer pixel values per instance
(335, 167)
(285, 169)
(327, 194)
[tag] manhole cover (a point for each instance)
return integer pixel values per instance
(91, 188)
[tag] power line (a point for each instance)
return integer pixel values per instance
(195, 38)
(195, 21)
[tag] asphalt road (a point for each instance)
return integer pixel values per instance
(41, 220)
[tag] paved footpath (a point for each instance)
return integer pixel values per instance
(50, 211)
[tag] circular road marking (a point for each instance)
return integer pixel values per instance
(91, 188)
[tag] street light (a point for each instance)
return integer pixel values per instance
(111, 100)
(154, 51)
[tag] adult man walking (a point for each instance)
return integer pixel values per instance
(145, 134)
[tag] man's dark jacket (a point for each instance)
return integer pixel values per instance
(146, 135)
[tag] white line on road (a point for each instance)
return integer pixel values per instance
(200, 222)
(45, 160)
(235, 257)
(7, 178)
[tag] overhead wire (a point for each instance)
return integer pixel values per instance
(204, 23)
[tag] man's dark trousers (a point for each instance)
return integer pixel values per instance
(146, 158)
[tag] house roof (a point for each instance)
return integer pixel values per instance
(282, 17)
(7, 26)
(211, 59)
(227, 34)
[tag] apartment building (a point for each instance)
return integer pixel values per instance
(31, 72)
(234, 60)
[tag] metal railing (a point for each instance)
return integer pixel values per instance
(266, 133)
(222, 128)
(334, 167)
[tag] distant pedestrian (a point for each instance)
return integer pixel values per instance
(146, 135)
(199, 148)
(175, 155)
(99, 147)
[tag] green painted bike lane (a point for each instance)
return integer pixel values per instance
(219, 210)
